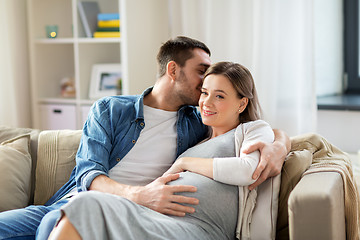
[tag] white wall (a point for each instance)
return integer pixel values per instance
(341, 128)
(15, 108)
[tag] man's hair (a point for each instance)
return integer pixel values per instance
(178, 50)
(243, 82)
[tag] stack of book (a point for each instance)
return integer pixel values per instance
(108, 25)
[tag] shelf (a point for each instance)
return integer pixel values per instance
(79, 40)
(57, 100)
(87, 102)
(99, 40)
(54, 40)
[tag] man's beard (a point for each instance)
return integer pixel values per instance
(186, 94)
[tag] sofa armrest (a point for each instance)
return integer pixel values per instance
(316, 207)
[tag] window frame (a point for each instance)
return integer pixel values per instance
(351, 46)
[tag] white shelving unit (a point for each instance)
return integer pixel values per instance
(143, 29)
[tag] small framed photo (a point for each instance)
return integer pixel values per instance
(106, 80)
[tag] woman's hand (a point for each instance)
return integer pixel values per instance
(177, 167)
(203, 166)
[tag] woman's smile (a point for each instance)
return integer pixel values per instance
(207, 113)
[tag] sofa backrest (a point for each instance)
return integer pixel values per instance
(56, 159)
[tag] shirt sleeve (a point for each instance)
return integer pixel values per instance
(92, 158)
(239, 170)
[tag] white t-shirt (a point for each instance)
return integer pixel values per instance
(154, 151)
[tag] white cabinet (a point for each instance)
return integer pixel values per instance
(84, 113)
(144, 27)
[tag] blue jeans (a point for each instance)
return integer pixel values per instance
(23, 223)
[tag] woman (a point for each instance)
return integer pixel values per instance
(230, 107)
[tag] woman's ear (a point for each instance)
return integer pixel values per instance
(243, 104)
(171, 69)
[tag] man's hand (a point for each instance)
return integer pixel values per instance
(272, 157)
(156, 195)
(160, 197)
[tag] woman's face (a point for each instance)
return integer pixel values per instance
(219, 104)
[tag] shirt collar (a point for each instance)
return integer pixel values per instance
(139, 106)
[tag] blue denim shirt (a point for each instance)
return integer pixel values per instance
(112, 129)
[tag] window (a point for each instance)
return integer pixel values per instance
(352, 43)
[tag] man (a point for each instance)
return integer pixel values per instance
(129, 141)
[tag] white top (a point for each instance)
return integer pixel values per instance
(154, 151)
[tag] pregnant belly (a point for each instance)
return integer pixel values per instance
(218, 202)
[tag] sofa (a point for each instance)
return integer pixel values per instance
(34, 164)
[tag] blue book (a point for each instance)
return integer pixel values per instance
(108, 16)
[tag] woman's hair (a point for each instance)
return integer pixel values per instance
(243, 82)
(178, 50)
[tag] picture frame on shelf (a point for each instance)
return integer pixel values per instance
(106, 80)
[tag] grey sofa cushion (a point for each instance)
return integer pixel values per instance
(15, 173)
(7, 133)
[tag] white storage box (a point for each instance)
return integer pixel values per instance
(56, 116)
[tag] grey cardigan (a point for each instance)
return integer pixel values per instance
(238, 171)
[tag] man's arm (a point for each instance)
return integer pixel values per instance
(156, 195)
(92, 163)
(272, 157)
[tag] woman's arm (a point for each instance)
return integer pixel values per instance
(203, 166)
(239, 170)
(230, 170)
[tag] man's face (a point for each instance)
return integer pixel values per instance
(190, 77)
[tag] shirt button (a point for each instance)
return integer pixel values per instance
(133, 141)
(118, 159)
